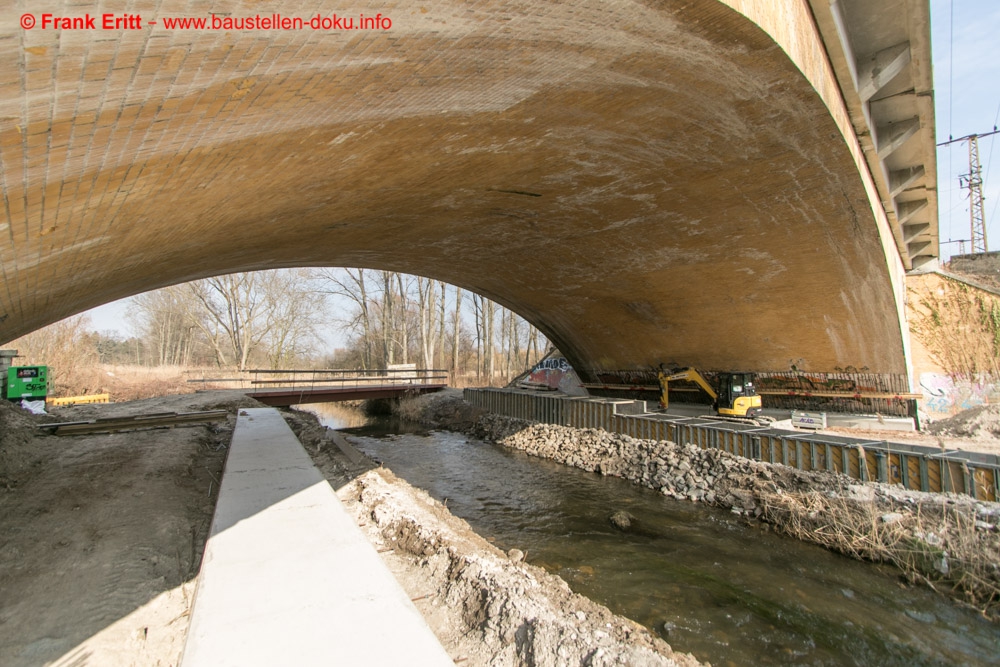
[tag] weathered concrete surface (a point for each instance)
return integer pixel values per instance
(646, 182)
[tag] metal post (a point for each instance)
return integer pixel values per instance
(883, 465)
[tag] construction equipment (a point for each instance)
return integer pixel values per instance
(733, 396)
(27, 383)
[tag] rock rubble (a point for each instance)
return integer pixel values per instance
(684, 472)
(946, 540)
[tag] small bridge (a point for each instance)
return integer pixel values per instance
(292, 387)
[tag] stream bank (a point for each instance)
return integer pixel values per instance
(947, 541)
(488, 607)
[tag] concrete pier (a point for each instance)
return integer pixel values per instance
(288, 578)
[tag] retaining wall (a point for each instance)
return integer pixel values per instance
(914, 467)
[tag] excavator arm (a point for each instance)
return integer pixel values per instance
(665, 377)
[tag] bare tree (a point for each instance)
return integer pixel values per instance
(351, 284)
(441, 317)
(244, 313)
(292, 315)
(387, 317)
(426, 312)
(478, 305)
(162, 318)
(228, 310)
(399, 318)
(403, 323)
(456, 331)
(65, 347)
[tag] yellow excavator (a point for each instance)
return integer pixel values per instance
(733, 396)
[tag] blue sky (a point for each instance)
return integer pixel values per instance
(964, 41)
(967, 101)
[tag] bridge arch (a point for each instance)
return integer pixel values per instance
(644, 182)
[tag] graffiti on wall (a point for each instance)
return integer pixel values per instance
(548, 372)
(945, 395)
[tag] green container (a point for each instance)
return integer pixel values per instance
(30, 382)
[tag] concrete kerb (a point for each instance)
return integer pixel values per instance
(288, 577)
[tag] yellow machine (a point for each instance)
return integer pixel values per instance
(734, 397)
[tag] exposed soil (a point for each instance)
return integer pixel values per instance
(101, 536)
(979, 423)
(444, 409)
(487, 607)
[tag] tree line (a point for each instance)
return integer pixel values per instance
(284, 318)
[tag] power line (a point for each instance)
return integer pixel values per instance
(989, 162)
(973, 181)
(951, 68)
(951, 97)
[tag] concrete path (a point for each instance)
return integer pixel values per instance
(288, 578)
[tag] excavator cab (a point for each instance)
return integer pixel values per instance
(737, 396)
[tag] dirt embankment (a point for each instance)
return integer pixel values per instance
(978, 423)
(101, 538)
(945, 540)
(487, 607)
(444, 409)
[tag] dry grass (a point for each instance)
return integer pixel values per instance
(123, 383)
(410, 408)
(937, 543)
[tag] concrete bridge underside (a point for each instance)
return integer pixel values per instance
(676, 181)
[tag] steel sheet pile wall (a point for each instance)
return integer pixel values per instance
(914, 467)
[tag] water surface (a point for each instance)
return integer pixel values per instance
(700, 577)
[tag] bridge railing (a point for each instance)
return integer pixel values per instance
(912, 466)
(315, 378)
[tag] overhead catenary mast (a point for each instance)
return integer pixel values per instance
(961, 244)
(973, 181)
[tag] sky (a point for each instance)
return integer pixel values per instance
(964, 43)
(965, 35)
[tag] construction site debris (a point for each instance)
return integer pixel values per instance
(501, 611)
(113, 424)
(982, 421)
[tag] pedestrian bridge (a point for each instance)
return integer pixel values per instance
(282, 388)
(715, 183)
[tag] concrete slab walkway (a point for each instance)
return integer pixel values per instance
(288, 578)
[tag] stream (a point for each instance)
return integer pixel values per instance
(703, 579)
